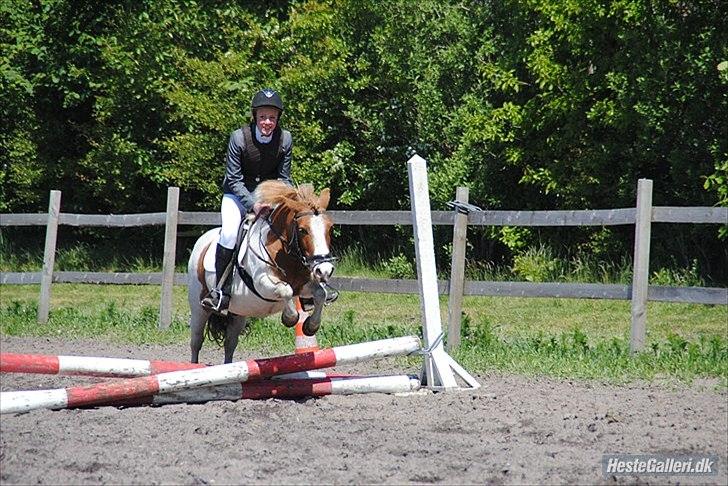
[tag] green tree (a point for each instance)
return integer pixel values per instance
(537, 104)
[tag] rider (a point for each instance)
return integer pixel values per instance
(256, 152)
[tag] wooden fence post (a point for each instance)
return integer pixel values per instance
(168, 262)
(457, 272)
(641, 265)
(49, 256)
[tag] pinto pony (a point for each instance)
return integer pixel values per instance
(284, 255)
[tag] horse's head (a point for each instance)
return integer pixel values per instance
(300, 226)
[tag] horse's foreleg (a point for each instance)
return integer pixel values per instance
(235, 326)
(275, 288)
(289, 316)
(312, 323)
(198, 319)
(280, 290)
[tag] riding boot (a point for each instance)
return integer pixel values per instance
(218, 299)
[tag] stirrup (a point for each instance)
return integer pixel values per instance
(216, 302)
(331, 295)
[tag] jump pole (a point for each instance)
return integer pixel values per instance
(292, 385)
(241, 371)
(110, 367)
(287, 389)
(439, 368)
(88, 365)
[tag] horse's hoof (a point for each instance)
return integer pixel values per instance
(289, 321)
(309, 327)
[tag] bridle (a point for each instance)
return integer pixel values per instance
(292, 246)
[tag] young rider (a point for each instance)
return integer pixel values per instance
(256, 152)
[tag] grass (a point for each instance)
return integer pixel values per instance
(573, 354)
(534, 264)
(26, 255)
(582, 339)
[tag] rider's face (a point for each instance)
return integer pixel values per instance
(266, 117)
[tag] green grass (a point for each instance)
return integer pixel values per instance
(79, 256)
(573, 354)
(533, 264)
(576, 339)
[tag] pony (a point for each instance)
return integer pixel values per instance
(284, 255)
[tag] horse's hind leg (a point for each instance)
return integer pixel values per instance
(235, 326)
(198, 319)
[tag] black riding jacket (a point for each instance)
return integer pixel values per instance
(247, 166)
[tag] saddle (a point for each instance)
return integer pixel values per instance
(216, 300)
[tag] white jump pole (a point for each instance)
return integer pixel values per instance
(439, 367)
(22, 401)
(88, 365)
(111, 367)
(289, 388)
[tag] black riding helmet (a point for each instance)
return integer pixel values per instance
(267, 97)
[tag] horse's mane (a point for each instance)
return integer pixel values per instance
(275, 192)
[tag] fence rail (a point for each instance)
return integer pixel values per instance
(642, 216)
(694, 295)
(596, 217)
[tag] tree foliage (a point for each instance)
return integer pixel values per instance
(538, 104)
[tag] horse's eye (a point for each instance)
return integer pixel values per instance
(303, 231)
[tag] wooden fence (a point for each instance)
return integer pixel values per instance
(642, 217)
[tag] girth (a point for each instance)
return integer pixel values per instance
(248, 279)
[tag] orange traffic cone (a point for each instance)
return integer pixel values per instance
(304, 344)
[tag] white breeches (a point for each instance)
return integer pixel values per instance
(232, 214)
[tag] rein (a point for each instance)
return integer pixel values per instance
(269, 261)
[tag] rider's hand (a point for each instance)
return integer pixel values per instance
(261, 209)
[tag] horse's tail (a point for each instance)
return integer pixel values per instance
(215, 329)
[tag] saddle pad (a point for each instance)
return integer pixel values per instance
(209, 261)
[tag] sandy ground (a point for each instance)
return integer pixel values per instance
(512, 430)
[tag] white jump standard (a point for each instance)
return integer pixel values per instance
(439, 366)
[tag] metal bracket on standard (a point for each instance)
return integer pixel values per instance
(463, 207)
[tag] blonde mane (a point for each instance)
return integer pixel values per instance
(275, 192)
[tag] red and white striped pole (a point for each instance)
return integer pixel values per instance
(110, 367)
(21, 401)
(88, 366)
(313, 387)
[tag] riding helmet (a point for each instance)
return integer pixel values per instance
(267, 97)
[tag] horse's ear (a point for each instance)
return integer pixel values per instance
(324, 198)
